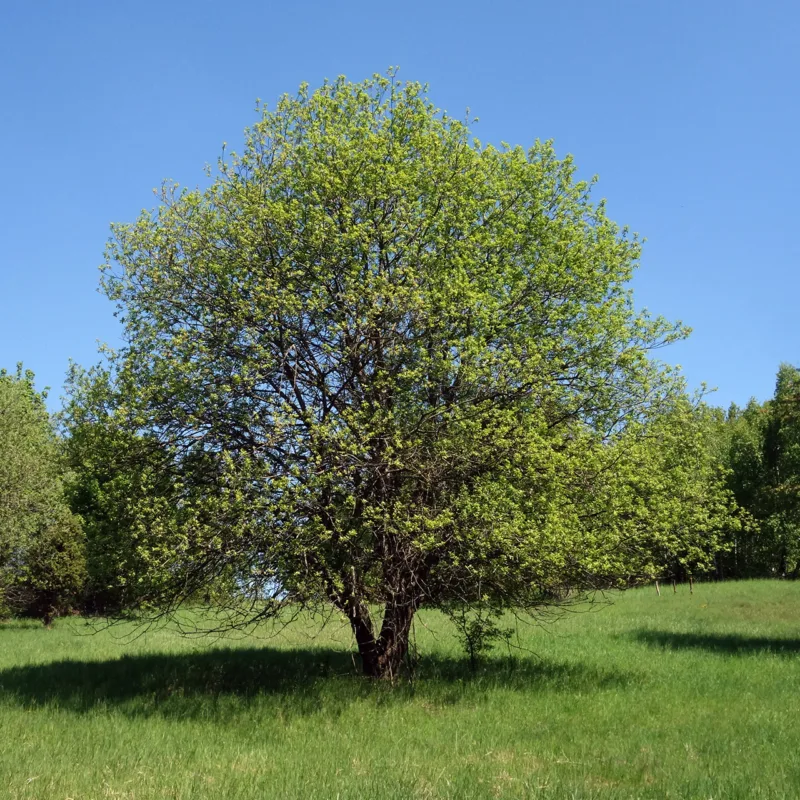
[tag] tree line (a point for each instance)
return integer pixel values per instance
(378, 366)
(758, 448)
(73, 531)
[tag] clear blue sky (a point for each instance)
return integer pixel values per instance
(688, 111)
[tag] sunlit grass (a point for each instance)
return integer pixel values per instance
(682, 695)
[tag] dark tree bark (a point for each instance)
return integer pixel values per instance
(361, 624)
(382, 656)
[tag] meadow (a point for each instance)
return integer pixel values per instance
(682, 695)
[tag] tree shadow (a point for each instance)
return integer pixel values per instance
(222, 682)
(725, 643)
(12, 625)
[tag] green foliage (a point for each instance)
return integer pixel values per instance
(782, 465)
(387, 365)
(111, 472)
(760, 447)
(478, 629)
(41, 546)
(123, 487)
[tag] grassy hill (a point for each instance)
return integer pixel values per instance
(685, 696)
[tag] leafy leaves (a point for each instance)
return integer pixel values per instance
(41, 547)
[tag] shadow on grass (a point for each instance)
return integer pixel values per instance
(223, 682)
(12, 625)
(723, 643)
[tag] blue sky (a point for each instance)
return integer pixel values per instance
(687, 110)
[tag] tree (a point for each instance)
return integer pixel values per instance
(739, 450)
(761, 449)
(112, 473)
(120, 484)
(782, 466)
(391, 367)
(41, 548)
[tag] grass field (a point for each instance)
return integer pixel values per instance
(690, 696)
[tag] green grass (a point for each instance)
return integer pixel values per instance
(690, 696)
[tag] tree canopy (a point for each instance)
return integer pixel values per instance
(387, 367)
(41, 555)
(759, 446)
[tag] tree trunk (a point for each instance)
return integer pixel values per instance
(383, 657)
(361, 624)
(393, 642)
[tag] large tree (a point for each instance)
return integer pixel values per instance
(390, 367)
